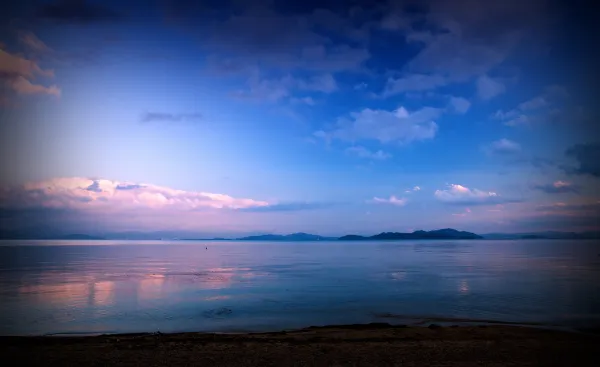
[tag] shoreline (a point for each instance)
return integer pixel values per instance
(406, 321)
(378, 344)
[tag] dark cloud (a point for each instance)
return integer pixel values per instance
(484, 202)
(77, 11)
(278, 34)
(129, 187)
(567, 216)
(169, 117)
(587, 157)
(591, 208)
(95, 187)
(558, 187)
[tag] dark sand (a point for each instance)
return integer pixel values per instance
(354, 345)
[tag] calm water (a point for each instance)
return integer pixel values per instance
(125, 286)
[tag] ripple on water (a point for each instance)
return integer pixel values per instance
(217, 313)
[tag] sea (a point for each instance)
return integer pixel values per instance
(96, 287)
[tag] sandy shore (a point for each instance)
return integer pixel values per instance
(350, 345)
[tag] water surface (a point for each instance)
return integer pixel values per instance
(142, 286)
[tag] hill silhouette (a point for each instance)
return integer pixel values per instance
(440, 234)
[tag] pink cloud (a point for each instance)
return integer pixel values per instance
(392, 200)
(89, 195)
(16, 65)
(458, 194)
(24, 86)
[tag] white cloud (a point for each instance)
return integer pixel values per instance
(399, 126)
(463, 214)
(414, 82)
(360, 86)
(503, 146)
(306, 100)
(363, 152)
(459, 104)
(461, 195)
(505, 115)
(520, 120)
(106, 195)
(533, 104)
(269, 90)
(488, 88)
(274, 90)
(392, 200)
(322, 83)
(416, 188)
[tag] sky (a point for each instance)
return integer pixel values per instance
(330, 117)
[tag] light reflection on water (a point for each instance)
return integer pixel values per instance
(104, 286)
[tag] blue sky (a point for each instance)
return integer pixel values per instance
(330, 118)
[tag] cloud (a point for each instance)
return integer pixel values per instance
(17, 72)
(276, 89)
(33, 43)
(464, 39)
(363, 152)
(414, 189)
(414, 82)
(589, 208)
(258, 34)
(533, 104)
(266, 90)
(503, 147)
(461, 195)
(466, 212)
(505, 115)
(76, 11)
(451, 56)
(392, 201)
(129, 187)
(558, 187)
(306, 100)
(534, 109)
(582, 215)
(588, 159)
(104, 196)
(324, 83)
(24, 86)
(287, 207)
(519, 120)
(460, 105)
(399, 126)
(169, 117)
(488, 88)
(13, 65)
(361, 86)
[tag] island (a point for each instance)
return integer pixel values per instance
(289, 237)
(440, 234)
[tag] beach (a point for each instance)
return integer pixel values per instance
(343, 345)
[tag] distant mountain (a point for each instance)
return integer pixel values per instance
(205, 239)
(289, 237)
(78, 236)
(440, 234)
(42, 235)
(550, 235)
